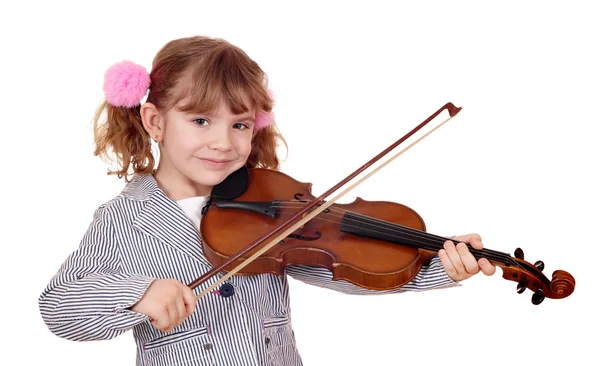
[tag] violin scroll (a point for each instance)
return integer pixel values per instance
(562, 284)
(530, 276)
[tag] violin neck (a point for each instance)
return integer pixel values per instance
(370, 227)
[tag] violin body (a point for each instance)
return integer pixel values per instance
(357, 258)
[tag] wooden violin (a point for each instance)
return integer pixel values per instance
(376, 245)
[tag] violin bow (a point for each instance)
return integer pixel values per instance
(303, 216)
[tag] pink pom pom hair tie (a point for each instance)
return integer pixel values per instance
(125, 84)
(264, 119)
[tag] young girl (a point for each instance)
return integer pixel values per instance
(210, 112)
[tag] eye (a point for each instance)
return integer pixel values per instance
(201, 121)
(240, 126)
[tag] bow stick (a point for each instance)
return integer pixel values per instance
(302, 216)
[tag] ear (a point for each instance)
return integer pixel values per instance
(152, 121)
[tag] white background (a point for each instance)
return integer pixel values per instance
(517, 165)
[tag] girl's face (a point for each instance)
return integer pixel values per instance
(200, 150)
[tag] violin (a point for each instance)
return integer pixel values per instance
(377, 245)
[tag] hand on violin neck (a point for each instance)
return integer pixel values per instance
(459, 262)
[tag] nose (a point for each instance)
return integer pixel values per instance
(220, 139)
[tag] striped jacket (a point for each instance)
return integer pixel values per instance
(141, 235)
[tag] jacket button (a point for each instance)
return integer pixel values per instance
(208, 346)
(226, 290)
(267, 341)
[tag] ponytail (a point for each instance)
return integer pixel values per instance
(119, 130)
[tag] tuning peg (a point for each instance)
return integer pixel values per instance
(539, 265)
(521, 286)
(537, 297)
(519, 253)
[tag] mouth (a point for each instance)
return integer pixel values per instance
(215, 162)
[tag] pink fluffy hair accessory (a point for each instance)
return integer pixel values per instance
(265, 119)
(125, 84)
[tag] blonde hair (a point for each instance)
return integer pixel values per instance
(204, 70)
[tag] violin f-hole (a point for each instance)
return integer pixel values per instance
(306, 238)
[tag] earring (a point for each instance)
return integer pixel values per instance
(156, 138)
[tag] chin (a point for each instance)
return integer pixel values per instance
(210, 178)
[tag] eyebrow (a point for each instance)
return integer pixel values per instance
(245, 115)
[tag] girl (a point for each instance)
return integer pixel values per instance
(209, 110)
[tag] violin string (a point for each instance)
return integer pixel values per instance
(424, 242)
(380, 224)
(427, 240)
(434, 242)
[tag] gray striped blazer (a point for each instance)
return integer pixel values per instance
(141, 235)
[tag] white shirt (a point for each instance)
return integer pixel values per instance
(193, 208)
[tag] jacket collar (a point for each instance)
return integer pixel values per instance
(163, 218)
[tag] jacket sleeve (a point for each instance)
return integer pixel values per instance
(89, 297)
(431, 276)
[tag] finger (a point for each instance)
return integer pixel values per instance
(173, 313)
(473, 239)
(160, 324)
(486, 267)
(181, 312)
(448, 266)
(455, 258)
(189, 300)
(468, 260)
(161, 321)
